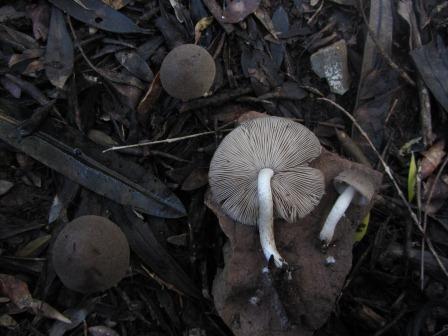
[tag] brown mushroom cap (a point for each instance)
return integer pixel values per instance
(269, 142)
(90, 254)
(359, 180)
(187, 72)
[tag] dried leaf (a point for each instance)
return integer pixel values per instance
(430, 61)
(263, 16)
(135, 64)
(5, 186)
(91, 174)
(281, 25)
(11, 87)
(377, 81)
(16, 290)
(439, 193)
(200, 26)
(237, 10)
(196, 179)
(30, 249)
(412, 178)
(432, 159)
(148, 101)
(7, 321)
(59, 56)
(43, 309)
(19, 40)
(40, 15)
(97, 14)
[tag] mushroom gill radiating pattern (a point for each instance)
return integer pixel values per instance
(270, 142)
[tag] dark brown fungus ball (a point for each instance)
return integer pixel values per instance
(187, 72)
(90, 254)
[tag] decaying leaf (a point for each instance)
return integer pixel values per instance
(59, 56)
(430, 61)
(150, 98)
(95, 176)
(102, 331)
(135, 64)
(99, 15)
(17, 291)
(432, 158)
(237, 10)
(40, 15)
(200, 26)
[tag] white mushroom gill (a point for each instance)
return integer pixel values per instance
(338, 210)
(266, 217)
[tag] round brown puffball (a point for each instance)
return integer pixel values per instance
(187, 72)
(90, 254)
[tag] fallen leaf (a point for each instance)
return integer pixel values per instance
(237, 10)
(432, 158)
(59, 56)
(40, 15)
(7, 321)
(99, 15)
(30, 249)
(135, 64)
(149, 100)
(17, 291)
(430, 61)
(8, 13)
(196, 179)
(200, 26)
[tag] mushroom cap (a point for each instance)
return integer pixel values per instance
(187, 72)
(268, 142)
(90, 254)
(360, 181)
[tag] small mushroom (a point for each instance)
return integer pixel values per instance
(353, 186)
(90, 254)
(187, 72)
(260, 171)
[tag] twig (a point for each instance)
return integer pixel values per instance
(170, 140)
(381, 51)
(388, 171)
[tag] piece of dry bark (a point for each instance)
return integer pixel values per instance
(249, 302)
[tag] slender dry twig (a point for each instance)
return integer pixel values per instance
(388, 172)
(170, 140)
(381, 51)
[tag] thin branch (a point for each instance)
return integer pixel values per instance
(170, 140)
(388, 171)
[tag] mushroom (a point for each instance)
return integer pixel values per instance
(353, 186)
(90, 254)
(260, 171)
(187, 72)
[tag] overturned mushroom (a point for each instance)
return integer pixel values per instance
(352, 185)
(187, 72)
(260, 171)
(90, 254)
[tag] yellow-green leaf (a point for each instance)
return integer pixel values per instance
(362, 228)
(412, 178)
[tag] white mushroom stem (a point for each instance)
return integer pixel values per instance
(266, 217)
(338, 210)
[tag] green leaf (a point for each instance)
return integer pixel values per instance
(362, 228)
(412, 178)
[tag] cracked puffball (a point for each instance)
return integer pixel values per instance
(353, 186)
(260, 172)
(187, 72)
(90, 254)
